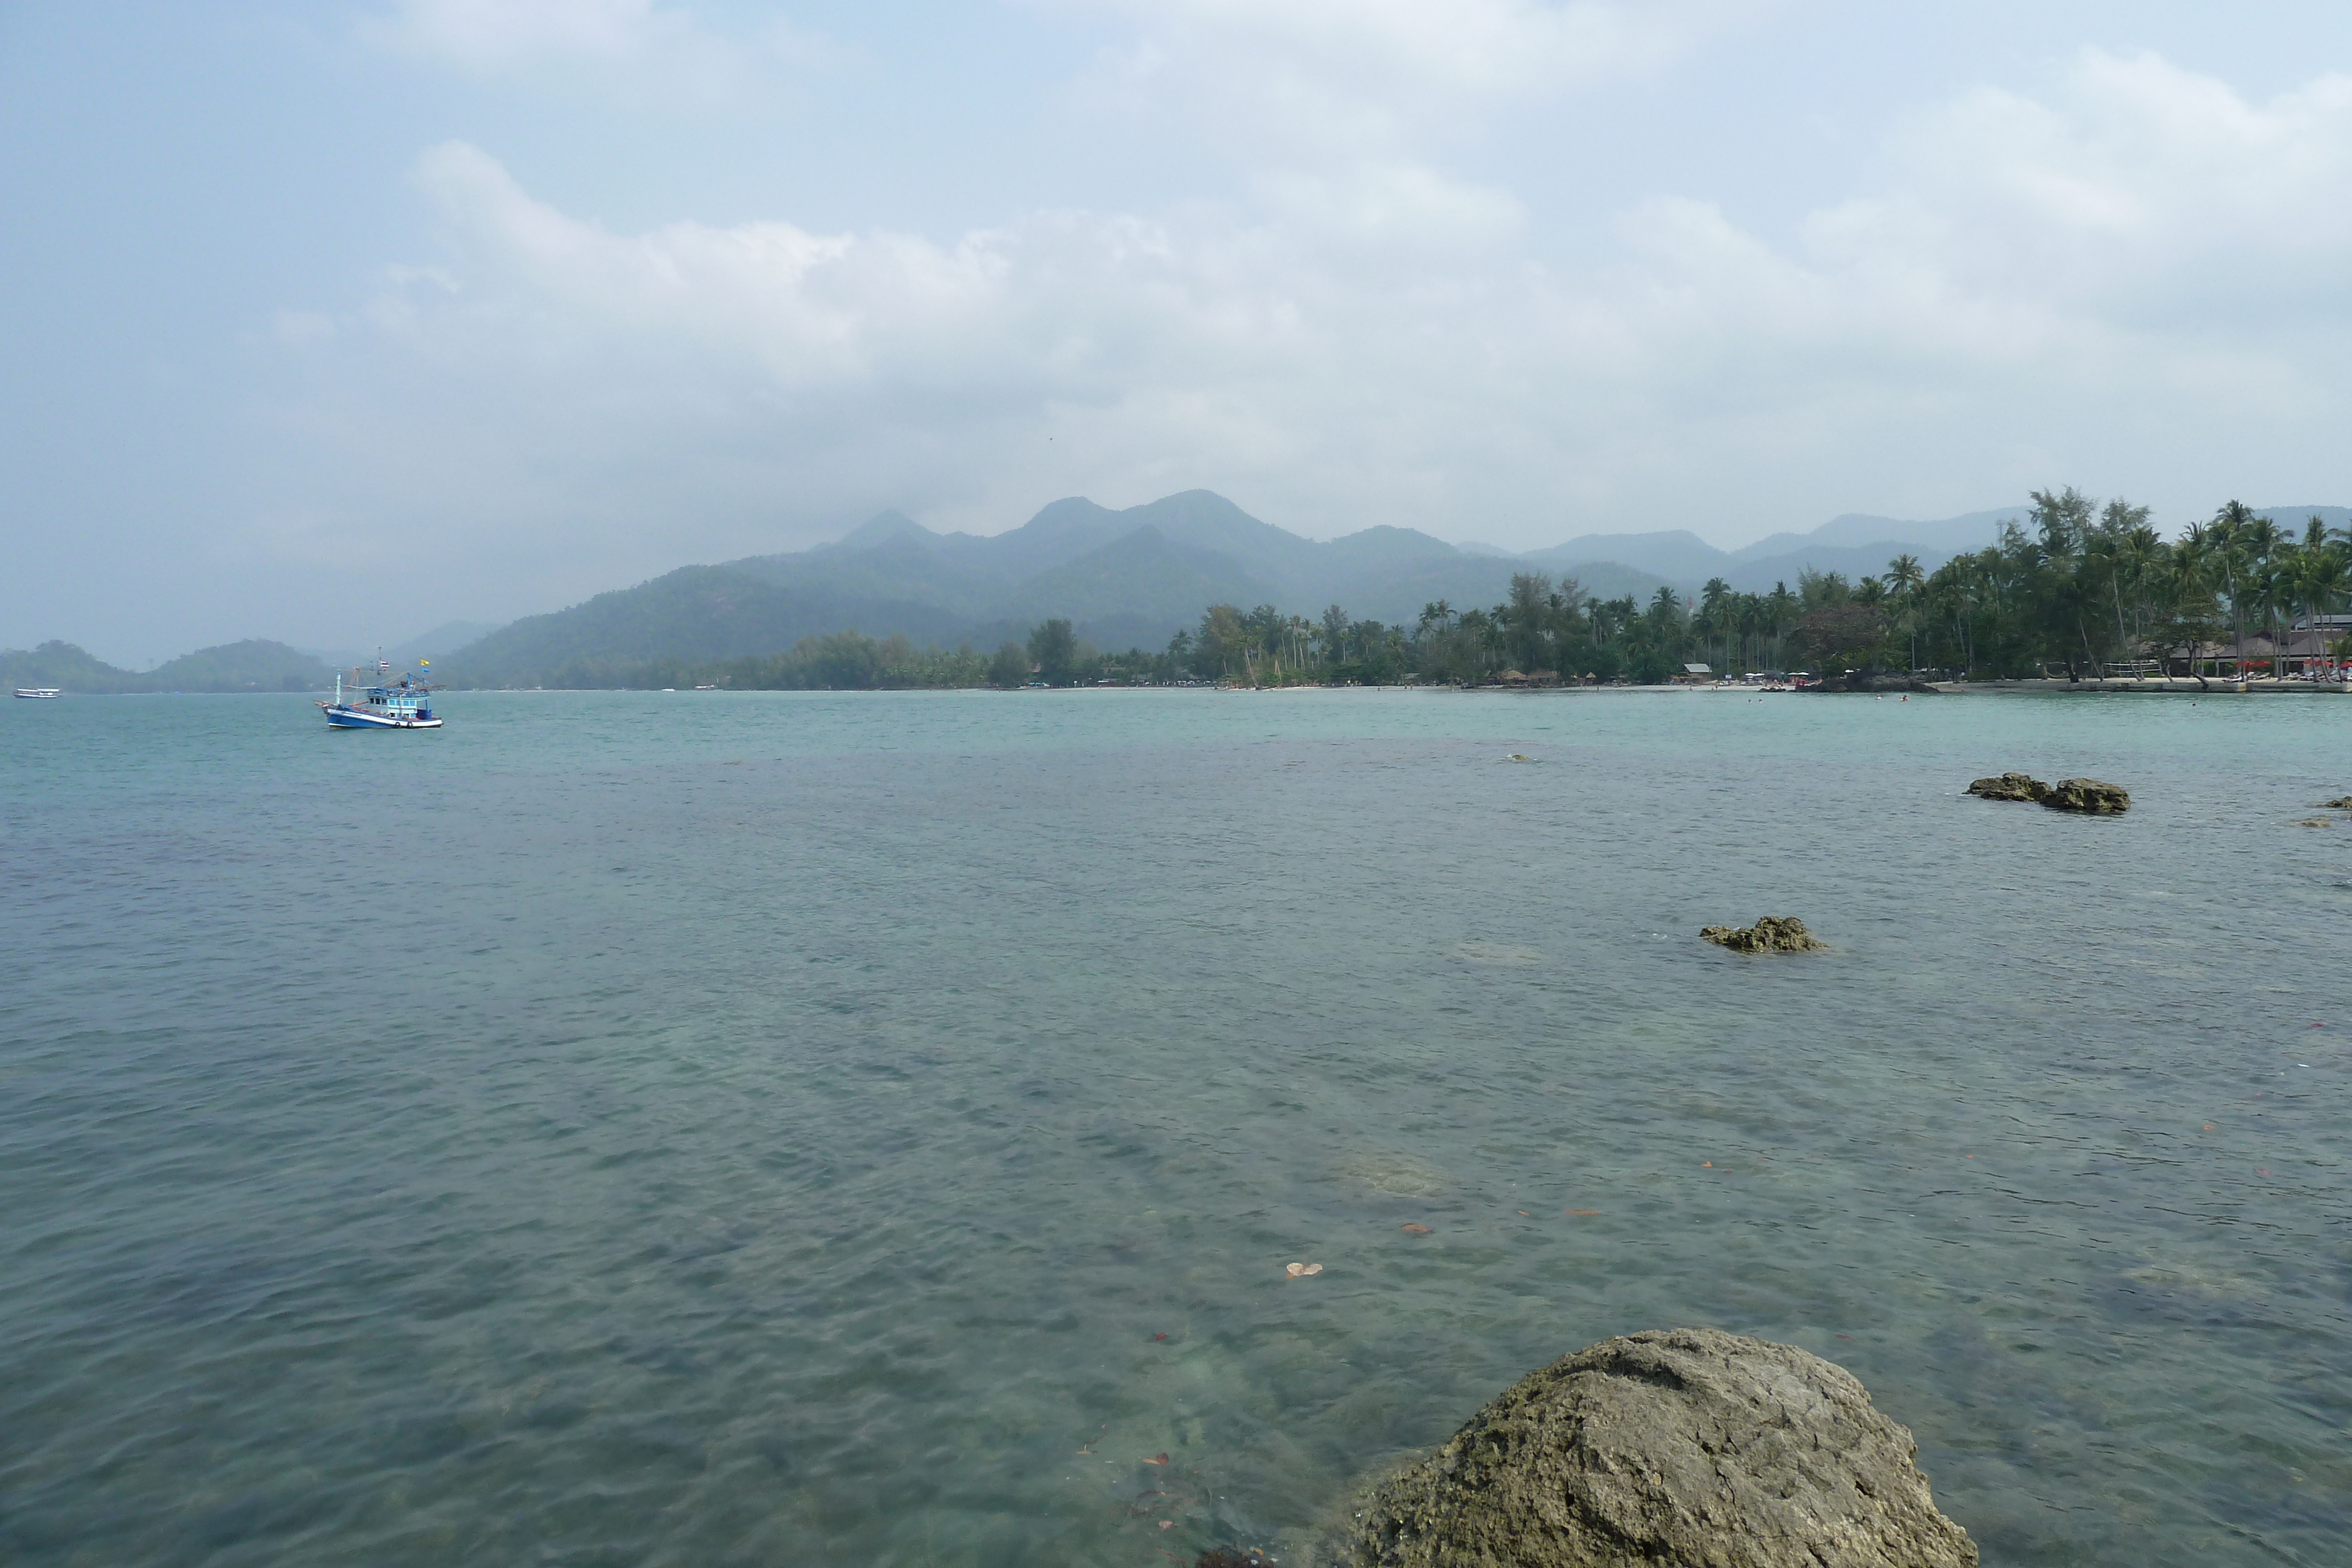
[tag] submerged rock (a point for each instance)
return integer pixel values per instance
(1675, 1449)
(2088, 795)
(2009, 787)
(1770, 934)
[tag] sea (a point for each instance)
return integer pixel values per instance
(712, 1128)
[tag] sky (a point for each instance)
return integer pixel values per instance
(332, 322)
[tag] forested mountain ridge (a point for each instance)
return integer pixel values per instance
(1127, 579)
(2080, 587)
(1130, 576)
(1133, 577)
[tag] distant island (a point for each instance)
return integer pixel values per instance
(1082, 594)
(249, 667)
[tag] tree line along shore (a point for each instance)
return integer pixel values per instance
(2080, 587)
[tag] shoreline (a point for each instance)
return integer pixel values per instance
(2169, 685)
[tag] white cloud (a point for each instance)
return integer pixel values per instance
(2134, 281)
(2140, 173)
(640, 48)
(1342, 76)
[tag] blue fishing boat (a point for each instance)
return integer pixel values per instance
(406, 703)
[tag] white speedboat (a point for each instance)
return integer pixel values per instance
(407, 705)
(38, 691)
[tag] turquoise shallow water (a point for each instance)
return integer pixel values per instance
(866, 1129)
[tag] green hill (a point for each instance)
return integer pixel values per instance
(64, 666)
(1124, 578)
(256, 666)
(695, 615)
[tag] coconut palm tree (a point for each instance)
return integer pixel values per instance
(1713, 600)
(2136, 552)
(2230, 538)
(2199, 570)
(2274, 591)
(1751, 626)
(2326, 574)
(1780, 614)
(1905, 581)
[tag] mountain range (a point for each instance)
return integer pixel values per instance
(1131, 578)
(1126, 578)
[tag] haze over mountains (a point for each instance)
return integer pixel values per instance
(1132, 578)
(440, 643)
(254, 665)
(1126, 578)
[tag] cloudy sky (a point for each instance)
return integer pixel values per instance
(332, 322)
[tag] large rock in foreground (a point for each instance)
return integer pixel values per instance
(1770, 934)
(2088, 795)
(2009, 787)
(1675, 1449)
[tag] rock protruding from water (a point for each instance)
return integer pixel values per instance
(1771, 933)
(2092, 795)
(2341, 804)
(2010, 786)
(1673, 1449)
(2089, 795)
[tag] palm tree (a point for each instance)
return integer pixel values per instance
(2230, 536)
(1905, 577)
(2276, 587)
(2262, 541)
(1751, 624)
(1780, 614)
(2322, 576)
(1712, 600)
(2199, 567)
(2136, 551)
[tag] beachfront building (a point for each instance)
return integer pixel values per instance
(2303, 653)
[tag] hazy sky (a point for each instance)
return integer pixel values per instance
(328, 323)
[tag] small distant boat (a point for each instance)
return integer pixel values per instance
(407, 705)
(38, 691)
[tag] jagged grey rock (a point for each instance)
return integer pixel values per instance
(2009, 787)
(2090, 795)
(1770, 934)
(1673, 1448)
